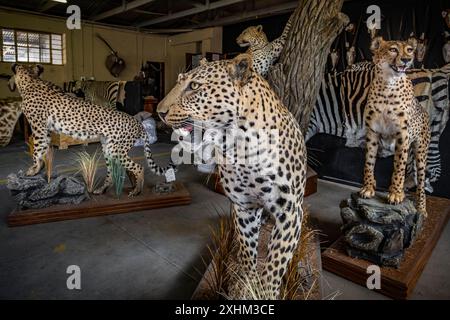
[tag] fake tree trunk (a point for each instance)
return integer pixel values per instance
(297, 76)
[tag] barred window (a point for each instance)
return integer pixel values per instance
(30, 46)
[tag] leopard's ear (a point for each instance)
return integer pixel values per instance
(14, 67)
(259, 28)
(38, 69)
(376, 43)
(203, 61)
(240, 68)
(413, 42)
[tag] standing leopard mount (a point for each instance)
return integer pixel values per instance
(229, 96)
(394, 115)
(263, 52)
(48, 108)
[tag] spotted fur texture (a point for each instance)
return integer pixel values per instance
(48, 108)
(10, 111)
(229, 94)
(393, 114)
(263, 52)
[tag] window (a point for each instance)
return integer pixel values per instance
(29, 46)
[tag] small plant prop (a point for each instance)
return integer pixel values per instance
(48, 162)
(295, 283)
(87, 166)
(117, 174)
(222, 250)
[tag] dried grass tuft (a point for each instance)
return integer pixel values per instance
(300, 282)
(87, 167)
(301, 279)
(221, 251)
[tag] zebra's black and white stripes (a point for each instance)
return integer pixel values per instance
(340, 107)
(104, 93)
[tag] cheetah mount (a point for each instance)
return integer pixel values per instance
(62, 197)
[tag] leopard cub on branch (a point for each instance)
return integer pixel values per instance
(393, 115)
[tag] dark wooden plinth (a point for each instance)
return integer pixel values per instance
(102, 205)
(395, 283)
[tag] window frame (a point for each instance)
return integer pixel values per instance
(51, 48)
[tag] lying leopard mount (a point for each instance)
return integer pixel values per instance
(113, 62)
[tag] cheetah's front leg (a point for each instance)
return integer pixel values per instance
(368, 189)
(396, 192)
(41, 141)
(421, 154)
(247, 232)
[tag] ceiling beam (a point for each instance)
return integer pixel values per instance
(255, 14)
(198, 5)
(47, 5)
(124, 8)
(189, 12)
(159, 31)
(152, 13)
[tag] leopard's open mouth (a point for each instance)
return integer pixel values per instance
(399, 69)
(184, 129)
(243, 43)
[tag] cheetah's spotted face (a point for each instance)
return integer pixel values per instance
(393, 56)
(207, 95)
(251, 36)
(23, 73)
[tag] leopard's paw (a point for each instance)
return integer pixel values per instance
(100, 190)
(32, 171)
(367, 192)
(134, 193)
(395, 197)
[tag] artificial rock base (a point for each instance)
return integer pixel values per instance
(377, 231)
(152, 197)
(36, 192)
(397, 283)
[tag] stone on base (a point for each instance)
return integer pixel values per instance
(36, 193)
(377, 231)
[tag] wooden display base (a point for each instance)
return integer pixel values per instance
(63, 142)
(395, 283)
(100, 205)
(311, 182)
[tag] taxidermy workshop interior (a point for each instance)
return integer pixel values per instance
(224, 150)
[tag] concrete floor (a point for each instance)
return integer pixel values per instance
(153, 254)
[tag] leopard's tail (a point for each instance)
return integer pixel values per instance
(151, 163)
(282, 39)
